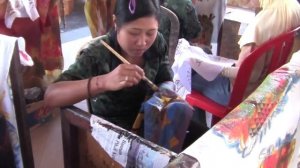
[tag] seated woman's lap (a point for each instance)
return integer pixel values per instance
(217, 90)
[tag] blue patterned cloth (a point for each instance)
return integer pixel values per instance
(166, 120)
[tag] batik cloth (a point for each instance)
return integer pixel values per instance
(166, 120)
(263, 131)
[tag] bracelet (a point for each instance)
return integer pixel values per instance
(89, 87)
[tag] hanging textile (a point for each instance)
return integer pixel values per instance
(98, 15)
(42, 22)
(7, 45)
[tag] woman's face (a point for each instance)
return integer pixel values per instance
(137, 36)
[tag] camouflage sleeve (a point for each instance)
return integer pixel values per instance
(87, 64)
(186, 13)
(164, 27)
(191, 26)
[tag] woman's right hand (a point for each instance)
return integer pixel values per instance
(125, 75)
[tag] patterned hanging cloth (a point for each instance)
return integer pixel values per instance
(98, 15)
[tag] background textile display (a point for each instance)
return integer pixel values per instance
(211, 15)
(42, 22)
(37, 25)
(98, 15)
(248, 4)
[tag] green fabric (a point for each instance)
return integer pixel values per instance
(189, 23)
(119, 107)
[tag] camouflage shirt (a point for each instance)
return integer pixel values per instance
(189, 23)
(119, 107)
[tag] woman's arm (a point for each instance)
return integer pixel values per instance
(231, 72)
(69, 92)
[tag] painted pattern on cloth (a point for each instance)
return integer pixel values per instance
(255, 117)
(166, 119)
(262, 131)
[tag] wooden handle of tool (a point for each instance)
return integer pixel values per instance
(149, 82)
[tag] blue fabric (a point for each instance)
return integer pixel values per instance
(217, 90)
(166, 122)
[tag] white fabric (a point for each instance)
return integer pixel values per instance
(20, 9)
(7, 45)
(295, 60)
(189, 57)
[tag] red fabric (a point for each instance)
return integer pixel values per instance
(42, 38)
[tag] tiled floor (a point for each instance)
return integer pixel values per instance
(47, 144)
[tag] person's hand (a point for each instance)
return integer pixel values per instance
(125, 75)
(167, 89)
(167, 93)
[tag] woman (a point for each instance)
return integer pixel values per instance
(275, 18)
(117, 90)
(190, 26)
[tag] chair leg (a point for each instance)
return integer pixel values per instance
(215, 120)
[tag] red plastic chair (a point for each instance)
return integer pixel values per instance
(281, 47)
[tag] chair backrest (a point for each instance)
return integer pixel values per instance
(279, 49)
(174, 32)
(20, 108)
